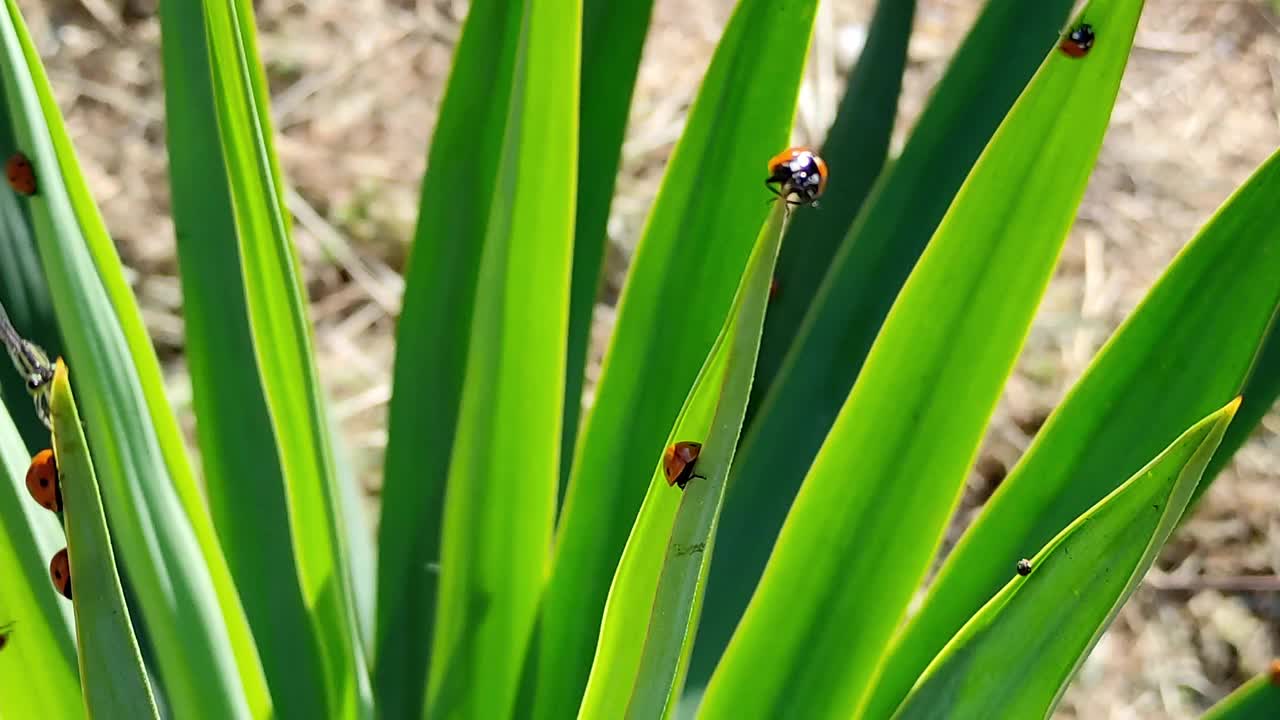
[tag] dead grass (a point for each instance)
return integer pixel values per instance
(356, 85)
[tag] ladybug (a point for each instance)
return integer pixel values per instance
(5, 630)
(1275, 672)
(1077, 43)
(798, 172)
(1024, 567)
(60, 571)
(22, 177)
(42, 481)
(678, 461)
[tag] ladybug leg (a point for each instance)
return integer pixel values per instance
(691, 479)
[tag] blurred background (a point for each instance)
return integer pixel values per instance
(355, 89)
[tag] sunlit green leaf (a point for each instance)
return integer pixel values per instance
(1015, 656)
(872, 511)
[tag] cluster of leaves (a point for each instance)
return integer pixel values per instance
(535, 563)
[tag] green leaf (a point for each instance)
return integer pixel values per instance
(856, 149)
(35, 621)
(659, 579)
(1002, 50)
(1260, 390)
(1258, 699)
(1198, 331)
(680, 286)
(237, 442)
(23, 295)
(504, 470)
(161, 527)
(1016, 655)
(111, 673)
(432, 341)
(612, 37)
(281, 333)
(842, 571)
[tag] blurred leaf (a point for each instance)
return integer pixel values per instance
(855, 151)
(612, 37)
(843, 570)
(111, 673)
(1198, 331)
(432, 343)
(1002, 50)
(1258, 699)
(237, 442)
(504, 471)
(1015, 657)
(659, 578)
(281, 334)
(37, 622)
(158, 519)
(678, 292)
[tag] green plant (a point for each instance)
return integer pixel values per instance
(822, 493)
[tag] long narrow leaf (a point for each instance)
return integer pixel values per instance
(432, 343)
(504, 471)
(237, 441)
(999, 55)
(162, 529)
(659, 579)
(612, 36)
(843, 570)
(35, 621)
(111, 673)
(679, 290)
(1198, 330)
(282, 346)
(674, 618)
(1015, 657)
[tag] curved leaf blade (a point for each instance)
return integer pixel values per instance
(1258, 699)
(698, 238)
(111, 672)
(1198, 330)
(916, 415)
(1016, 656)
(660, 576)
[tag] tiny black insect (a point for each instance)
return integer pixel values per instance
(1024, 567)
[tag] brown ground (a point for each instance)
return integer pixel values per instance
(356, 85)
